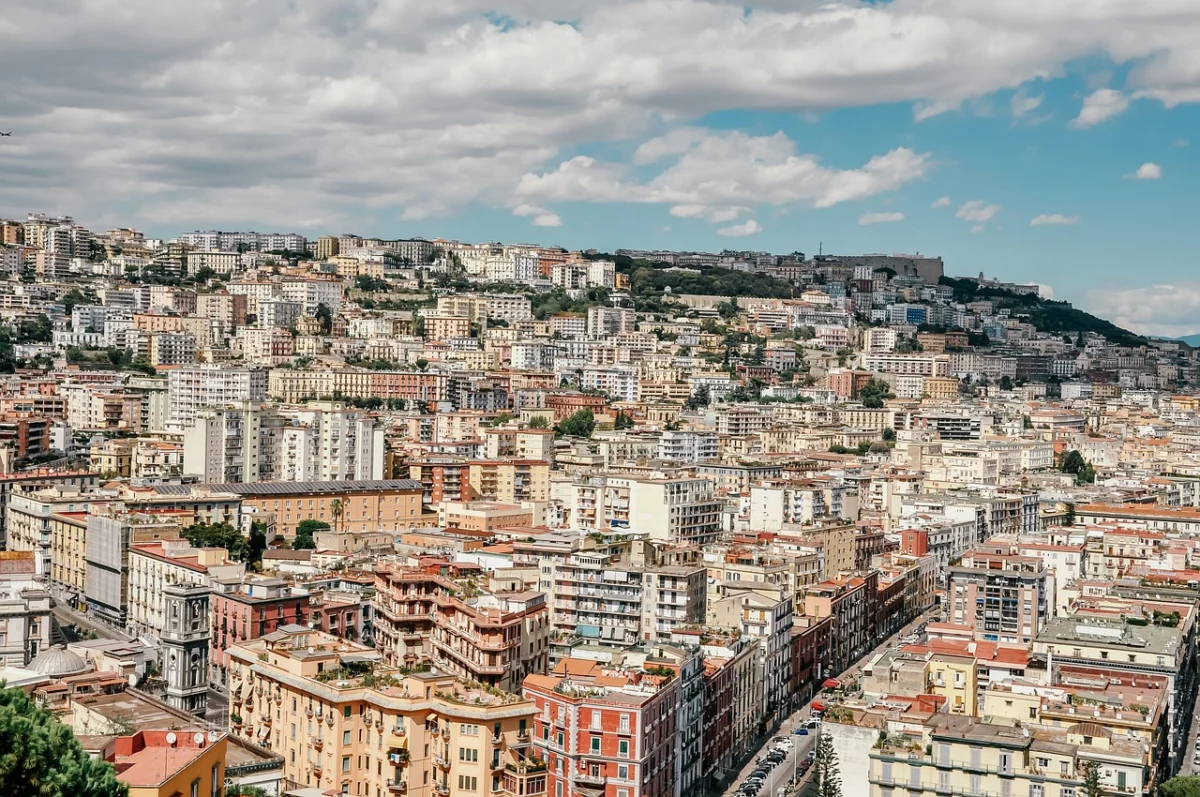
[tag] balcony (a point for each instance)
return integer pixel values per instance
(397, 786)
(318, 743)
(397, 738)
(441, 788)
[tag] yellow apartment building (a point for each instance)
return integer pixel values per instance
(345, 722)
(955, 678)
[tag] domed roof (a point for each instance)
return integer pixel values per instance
(58, 661)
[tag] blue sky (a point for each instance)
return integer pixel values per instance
(694, 124)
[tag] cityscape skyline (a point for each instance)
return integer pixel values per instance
(1058, 159)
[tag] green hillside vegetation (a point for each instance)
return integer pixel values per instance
(1046, 315)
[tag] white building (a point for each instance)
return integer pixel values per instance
(191, 388)
(688, 446)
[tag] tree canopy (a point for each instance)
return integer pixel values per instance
(222, 535)
(874, 393)
(581, 424)
(40, 757)
(1180, 786)
(305, 534)
(826, 778)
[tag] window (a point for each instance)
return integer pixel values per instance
(596, 744)
(196, 787)
(1033, 712)
(346, 738)
(468, 754)
(216, 781)
(1036, 790)
(623, 772)
(346, 712)
(623, 748)
(345, 763)
(1066, 791)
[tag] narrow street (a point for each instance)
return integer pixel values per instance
(781, 774)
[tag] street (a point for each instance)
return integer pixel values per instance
(780, 775)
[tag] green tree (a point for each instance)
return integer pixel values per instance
(1091, 786)
(337, 509)
(219, 535)
(581, 424)
(1073, 462)
(1006, 383)
(539, 422)
(258, 542)
(1069, 520)
(874, 393)
(305, 534)
(75, 297)
(40, 757)
(325, 316)
(1180, 786)
(826, 779)
(700, 398)
(889, 435)
(623, 421)
(422, 364)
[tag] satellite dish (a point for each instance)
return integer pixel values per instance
(213, 736)
(198, 739)
(133, 679)
(171, 738)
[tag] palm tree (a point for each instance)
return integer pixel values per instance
(336, 509)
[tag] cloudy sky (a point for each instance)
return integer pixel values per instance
(1033, 140)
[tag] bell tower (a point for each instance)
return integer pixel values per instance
(185, 641)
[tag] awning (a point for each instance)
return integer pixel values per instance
(817, 706)
(831, 683)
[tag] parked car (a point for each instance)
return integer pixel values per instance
(802, 732)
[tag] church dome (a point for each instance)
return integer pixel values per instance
(57, 662)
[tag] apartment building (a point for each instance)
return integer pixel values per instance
(155, 565)
(599, 729)
(29, 519)
(688, 446)
(25, 608)
(1005, 596)
(192, 388)
(935, 365)
(111, 532)
(510, 480)
(352, 505)
(344, 721)
(969, 756)
(246, 609)
(601, 598)
(493, 637)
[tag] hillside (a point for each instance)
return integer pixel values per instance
(1046, 315)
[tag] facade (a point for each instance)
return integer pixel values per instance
(25, 609)
(600, 730)
(378, 505)
(192, 388)
(494, 638)
(247, 609)
(342, 719)
(1003, 595)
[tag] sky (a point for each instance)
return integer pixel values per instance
(1049, 142)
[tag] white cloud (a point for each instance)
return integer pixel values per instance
(1099, 106)
(879, 218)
(1148, 171)
(943, 202)
(978, 228)
(977, 211)
(1053, 220)
(721, 175)
(1023, 104)
(1181, 142)
(749, 227)
(541, 216)
(1168, 310)
(349, 114)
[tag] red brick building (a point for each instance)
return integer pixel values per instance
(605, 731)
(567, 404)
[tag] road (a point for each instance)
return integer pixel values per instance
(68, 616)
(781, 774)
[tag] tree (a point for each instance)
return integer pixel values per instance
(889, 435)
(1180, 786)
(40, 757)
(336, 509)
(581, 424)
(826, 779)
(700, 398)
(1006, 383)
(1091, 786)
(728, 309)
(539, 422)
(1073, 462)
(258, 542)
(874, 393)
(1069, 520)
(623, 421)
(907, 345)
(219, 535)
(422, 364)
(325, 316)
(305, 532)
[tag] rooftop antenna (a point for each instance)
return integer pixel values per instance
(820, 248)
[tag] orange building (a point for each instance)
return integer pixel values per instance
(169, 763)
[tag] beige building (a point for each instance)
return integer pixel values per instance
(511, 481)
(154, 565)
(346, 722)
(955, 754)
(68, 547)
(495, 637)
